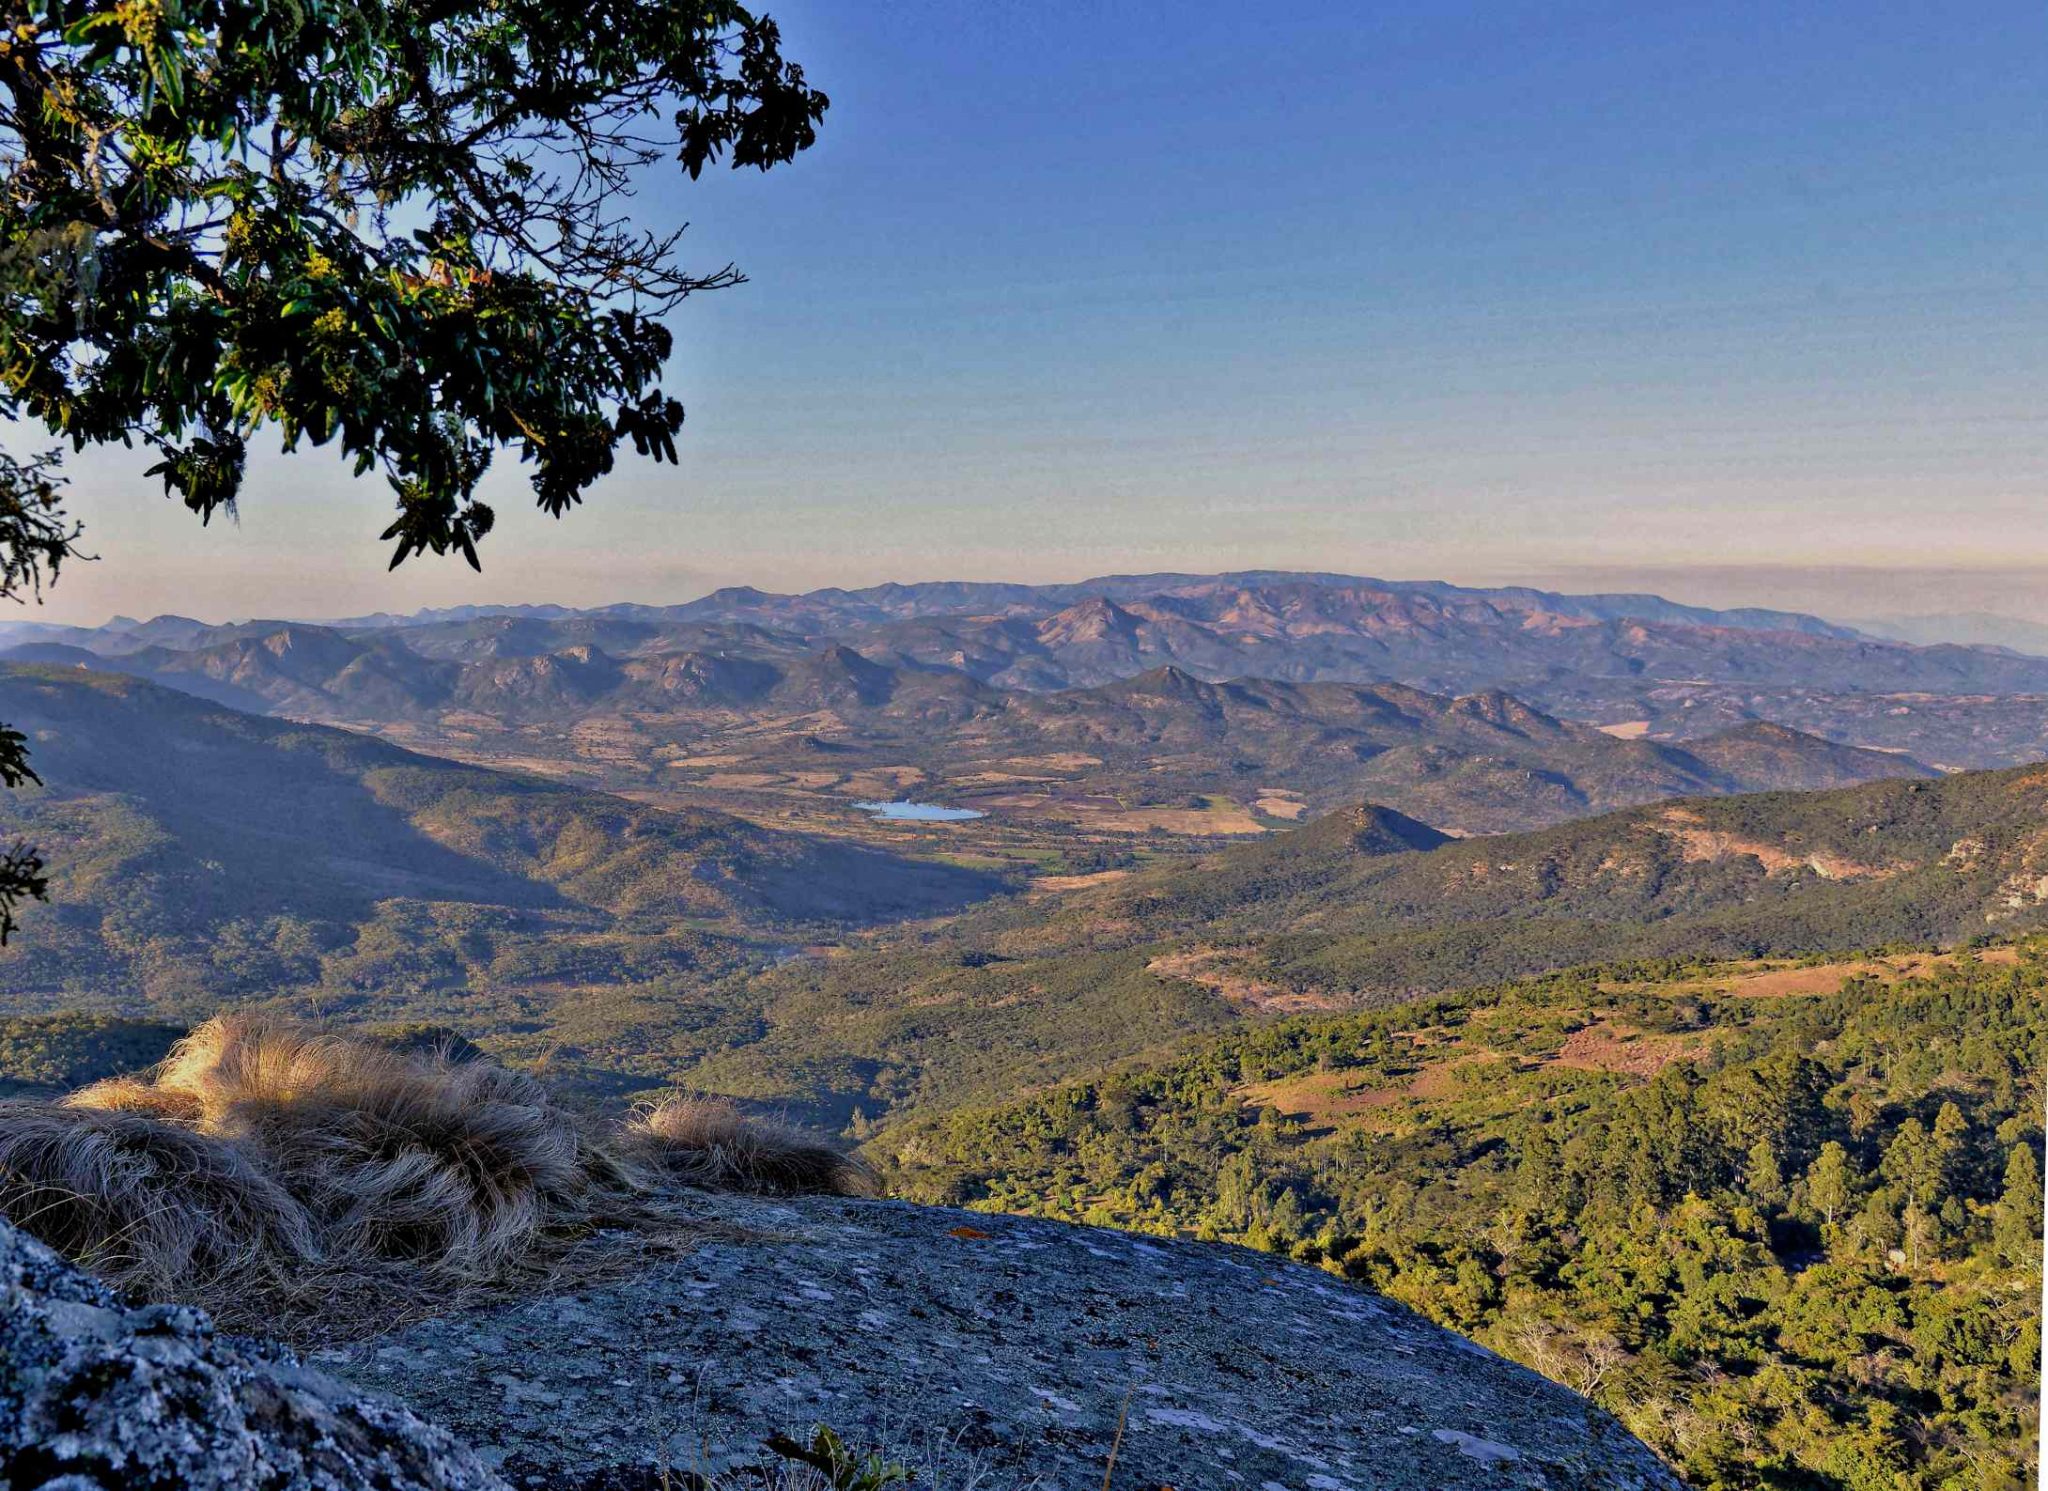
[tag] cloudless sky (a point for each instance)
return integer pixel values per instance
(1737, 301)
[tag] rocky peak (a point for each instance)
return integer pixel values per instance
(1167, 682)
(1371, 828)
(1499, 708)
(1091, 620)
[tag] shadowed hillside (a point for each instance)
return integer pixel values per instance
(198, 852)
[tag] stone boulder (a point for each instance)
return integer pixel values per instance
(96, 1395)
(1004, 1351)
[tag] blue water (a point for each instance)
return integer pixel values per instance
(919, 812)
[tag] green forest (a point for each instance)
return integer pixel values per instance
(1792, 1241)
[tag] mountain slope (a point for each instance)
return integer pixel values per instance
(198, 851)
(1478, 764)
(1022, 993)
(1908, 860)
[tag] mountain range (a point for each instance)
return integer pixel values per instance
(1128, 702)
(203, 854)
(777, 714)
(1674, 671)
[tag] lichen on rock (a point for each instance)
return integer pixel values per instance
(97, 1396)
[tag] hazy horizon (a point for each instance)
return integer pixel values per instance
(1843, 595)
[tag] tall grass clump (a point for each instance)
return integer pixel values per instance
(707, 1143)
(149, 1204)
(275, 1172)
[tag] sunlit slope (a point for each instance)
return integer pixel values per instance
(1368, 908)
(1783, 1220)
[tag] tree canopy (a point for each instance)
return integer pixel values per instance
(396, 225)
(1793, 1243)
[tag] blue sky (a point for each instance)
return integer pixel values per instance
(1737, 301)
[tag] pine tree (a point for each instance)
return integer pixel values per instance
(1913, 1163)
(2016, 1225)
(1762, 1177)
(1831, 1182)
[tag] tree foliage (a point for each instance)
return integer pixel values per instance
(397, 226)
(35, 540)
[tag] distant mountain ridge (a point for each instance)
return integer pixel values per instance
(895, 602)
(1479, 763)
(899, 601)
(1666, 670)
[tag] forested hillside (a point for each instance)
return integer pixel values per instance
(1914, 861)
(1367, 907)
(1783, 1221)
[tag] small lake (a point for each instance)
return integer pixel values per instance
(918, 812)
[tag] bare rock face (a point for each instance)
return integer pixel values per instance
(98, 1397)
(1002, 1350)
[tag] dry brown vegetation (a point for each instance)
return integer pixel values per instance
(1777, 981)
(1211, 968)
(708, 1144)
(314, 1184)
(1608, 1046)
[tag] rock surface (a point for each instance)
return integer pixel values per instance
(998, 1345)
(95, 1395)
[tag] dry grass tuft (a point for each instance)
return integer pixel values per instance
(457, 1167)
(145, 1202)
(277, 1174)
(709, 1144)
